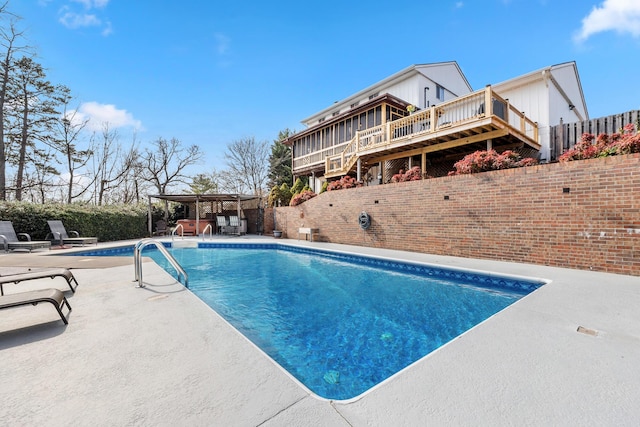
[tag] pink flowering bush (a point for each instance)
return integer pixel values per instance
(625, 142)
(302, 197)
(482, 161)
(413, 174)
(344, 182)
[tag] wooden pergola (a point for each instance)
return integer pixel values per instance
(197, 199)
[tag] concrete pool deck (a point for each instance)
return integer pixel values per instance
(159, 356)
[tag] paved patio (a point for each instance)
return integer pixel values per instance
(158, 356)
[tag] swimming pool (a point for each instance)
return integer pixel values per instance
(340, 323)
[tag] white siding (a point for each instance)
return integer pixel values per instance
(532, 98)
(567, 79)
(407, 85)
(448, 76)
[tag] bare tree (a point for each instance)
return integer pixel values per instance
(65, 138)
(164, 164)
(114, 168)
(40, 181)
(132, 183)
(247, 165)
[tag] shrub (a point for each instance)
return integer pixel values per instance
(298, 186)
(108, 223)
(627, 141)
(302, 197)
(482, 161)
(413, 174)
(344, 182)
(282, 194)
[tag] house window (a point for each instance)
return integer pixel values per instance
(440, 92)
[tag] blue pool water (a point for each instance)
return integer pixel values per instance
(340, 323)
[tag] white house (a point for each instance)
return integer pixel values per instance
(547, 96)
(427, 115)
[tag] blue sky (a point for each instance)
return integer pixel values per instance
(211, 72)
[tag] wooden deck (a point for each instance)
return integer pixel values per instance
(459, 126)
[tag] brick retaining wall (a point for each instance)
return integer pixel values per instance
(582, 214)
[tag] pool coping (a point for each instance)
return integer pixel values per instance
(527, 364)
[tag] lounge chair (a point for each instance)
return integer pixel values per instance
(234, 224)
(59, 234)
(53, 296)
(33, 275)
(221, 222)
(11, 242)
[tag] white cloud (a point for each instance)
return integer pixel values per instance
(622, 16)
(222, 43)
(72, 18)
(98, 114)
(107, 29)
(76, 20)
(459, 4)
(89, 4)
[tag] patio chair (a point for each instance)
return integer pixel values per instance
(33, 275)
(234, 224)
(59, 234)
(221, 223)
(11, 241)
(53, 296)
(161, 228)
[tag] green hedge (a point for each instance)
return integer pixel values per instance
(107, 223)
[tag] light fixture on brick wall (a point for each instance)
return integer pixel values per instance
(446, 197)
(566, 190)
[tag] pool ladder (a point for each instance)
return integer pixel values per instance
(137, 261)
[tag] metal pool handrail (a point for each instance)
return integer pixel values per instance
(210, 228)
(181, 227)
(137, 261)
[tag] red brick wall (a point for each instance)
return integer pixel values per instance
(520, 215)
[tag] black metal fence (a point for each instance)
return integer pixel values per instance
(565, 135)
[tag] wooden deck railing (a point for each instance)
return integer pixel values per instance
(448, 115)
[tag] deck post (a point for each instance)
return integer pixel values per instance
(488, 105)
(359, 170)
(434, 118)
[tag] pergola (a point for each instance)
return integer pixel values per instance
(197, 199)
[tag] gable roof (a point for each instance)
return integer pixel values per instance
(563, 76)
(430, 71)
